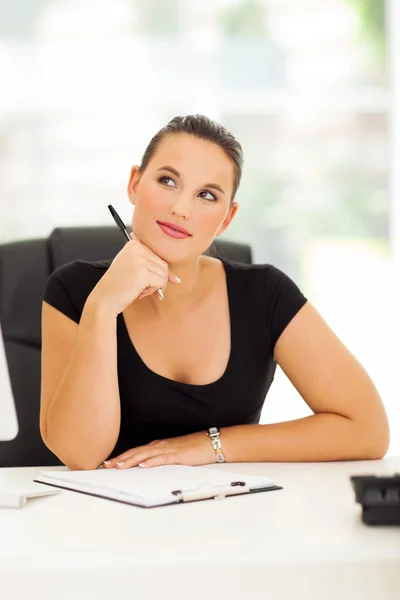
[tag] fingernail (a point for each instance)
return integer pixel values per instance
(177, 279)
(143, 464)
(106, 462)
(120, 464)
(160, 293)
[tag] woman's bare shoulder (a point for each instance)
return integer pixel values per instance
(213, 270)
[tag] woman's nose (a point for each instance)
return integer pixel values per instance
(181, 207)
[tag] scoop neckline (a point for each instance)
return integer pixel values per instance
(181, 384)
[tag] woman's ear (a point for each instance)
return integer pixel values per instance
(225, 224)
(133, 183)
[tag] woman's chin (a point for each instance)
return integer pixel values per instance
(170, 254)
(173, 251)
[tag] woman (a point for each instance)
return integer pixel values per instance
(140, 380)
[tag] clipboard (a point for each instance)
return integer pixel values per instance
(218, 492)
(158, 486)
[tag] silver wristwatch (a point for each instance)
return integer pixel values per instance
(214, 434)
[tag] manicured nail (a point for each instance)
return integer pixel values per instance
(121, 464)
(177, 279)
(106, 462)
(160, 293)
(143, 464)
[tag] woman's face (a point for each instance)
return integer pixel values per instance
(188, 183)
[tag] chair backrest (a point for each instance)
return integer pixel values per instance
(24, 269)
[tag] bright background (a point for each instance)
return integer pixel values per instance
(309, 87)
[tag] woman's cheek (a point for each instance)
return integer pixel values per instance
(214, 221)
(155, 200)
(147, 199)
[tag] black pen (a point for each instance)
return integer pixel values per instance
(122, 227)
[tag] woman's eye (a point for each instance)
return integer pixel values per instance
(165, 180)
(210, 195)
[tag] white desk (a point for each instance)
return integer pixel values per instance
(306, 541)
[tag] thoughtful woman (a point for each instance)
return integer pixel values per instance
(140, 380)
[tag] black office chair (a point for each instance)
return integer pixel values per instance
(24, 269)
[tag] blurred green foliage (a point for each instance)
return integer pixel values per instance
(246, 18)
(159, 19)
(371, 16)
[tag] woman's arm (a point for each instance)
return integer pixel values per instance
(80, 411)
(80, 406)
(349, 423)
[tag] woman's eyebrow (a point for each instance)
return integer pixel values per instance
(215, 186)
(170, 169)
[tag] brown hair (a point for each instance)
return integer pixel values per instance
(203, 128)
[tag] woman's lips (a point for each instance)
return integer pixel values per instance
(175, 233)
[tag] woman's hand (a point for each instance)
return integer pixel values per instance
(193, 449)
(134, 273)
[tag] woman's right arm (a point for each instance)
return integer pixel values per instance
(80, 403)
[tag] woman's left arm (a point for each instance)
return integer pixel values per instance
(349, 420)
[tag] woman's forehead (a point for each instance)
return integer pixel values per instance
(189, 155)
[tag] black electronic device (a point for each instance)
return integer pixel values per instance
(379, 497)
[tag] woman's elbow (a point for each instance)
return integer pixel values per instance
(376, 438)
(80, 463)
(380, 447)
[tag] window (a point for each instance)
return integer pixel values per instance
(303, 84)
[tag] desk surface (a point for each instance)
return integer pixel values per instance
(305, 541)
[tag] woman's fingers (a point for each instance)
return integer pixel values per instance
(161, 271)
(173, 278)
(158, 261)
(148, 459)
(157, 270)
(157, 266)
(121, 457)
(160, 460)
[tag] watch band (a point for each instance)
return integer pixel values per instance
(214, 434)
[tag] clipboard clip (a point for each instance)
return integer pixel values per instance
(208, 491)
